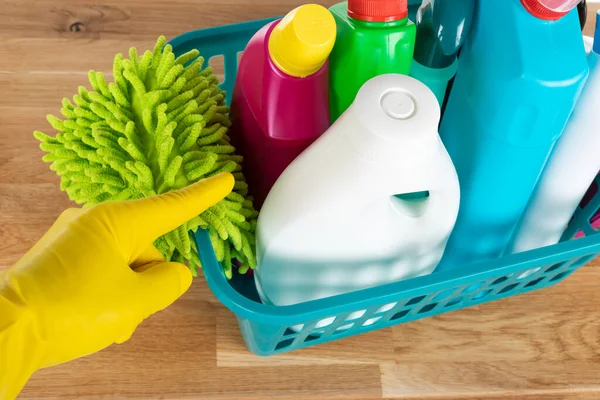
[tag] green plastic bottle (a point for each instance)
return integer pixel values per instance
(374, 37)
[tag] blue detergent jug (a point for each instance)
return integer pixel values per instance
(519, 76)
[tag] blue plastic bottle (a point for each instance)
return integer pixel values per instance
(413, 7)
(519, 76)
(442, 28)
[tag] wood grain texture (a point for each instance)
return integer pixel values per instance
(543, 345)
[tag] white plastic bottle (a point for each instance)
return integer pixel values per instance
(351, 212)
(571, 168)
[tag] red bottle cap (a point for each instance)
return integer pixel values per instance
(543, 10)
(378, 10)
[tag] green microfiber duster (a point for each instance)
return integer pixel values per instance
(160, 126)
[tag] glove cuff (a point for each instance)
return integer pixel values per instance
(21, 349)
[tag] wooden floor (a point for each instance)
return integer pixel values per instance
(538, 346)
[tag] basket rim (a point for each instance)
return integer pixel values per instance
(229, 29)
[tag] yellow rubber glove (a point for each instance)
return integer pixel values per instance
(92, 279)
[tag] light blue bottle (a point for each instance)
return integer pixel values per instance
(519, 76)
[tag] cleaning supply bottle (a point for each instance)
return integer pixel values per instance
(374, 37)
(519, 76)
(280, 102)
(413, 7)
(372, 201)
(442, 27)
(571, 168)
(582, 11)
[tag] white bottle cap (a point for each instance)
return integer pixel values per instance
(394, 105)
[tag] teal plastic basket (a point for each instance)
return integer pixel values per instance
(269, 330)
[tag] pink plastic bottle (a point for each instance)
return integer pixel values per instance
(280, 102)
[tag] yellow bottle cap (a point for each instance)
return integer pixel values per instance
(301, 42)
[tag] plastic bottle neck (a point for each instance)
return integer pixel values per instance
(379, 25)
(442, 28)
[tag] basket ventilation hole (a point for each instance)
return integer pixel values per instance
(356, 315)
(399, 315)
(324, 322)
(386, 307)
(534, 282)
(371, 321)
(499, 280)
(427, 308)
(472, 288)
(343, 328)
(454, 302)
(481, 294)
(593, 219)
(289, 332)
(310, 338)
(217, 63)
(508, 288)
(554, 267)
(415, 300)
(528, 273)
(560, 276)
(284, 343)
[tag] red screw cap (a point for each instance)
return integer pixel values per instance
(378, 10)
(542, 10)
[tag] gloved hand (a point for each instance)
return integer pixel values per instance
(92, 279)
